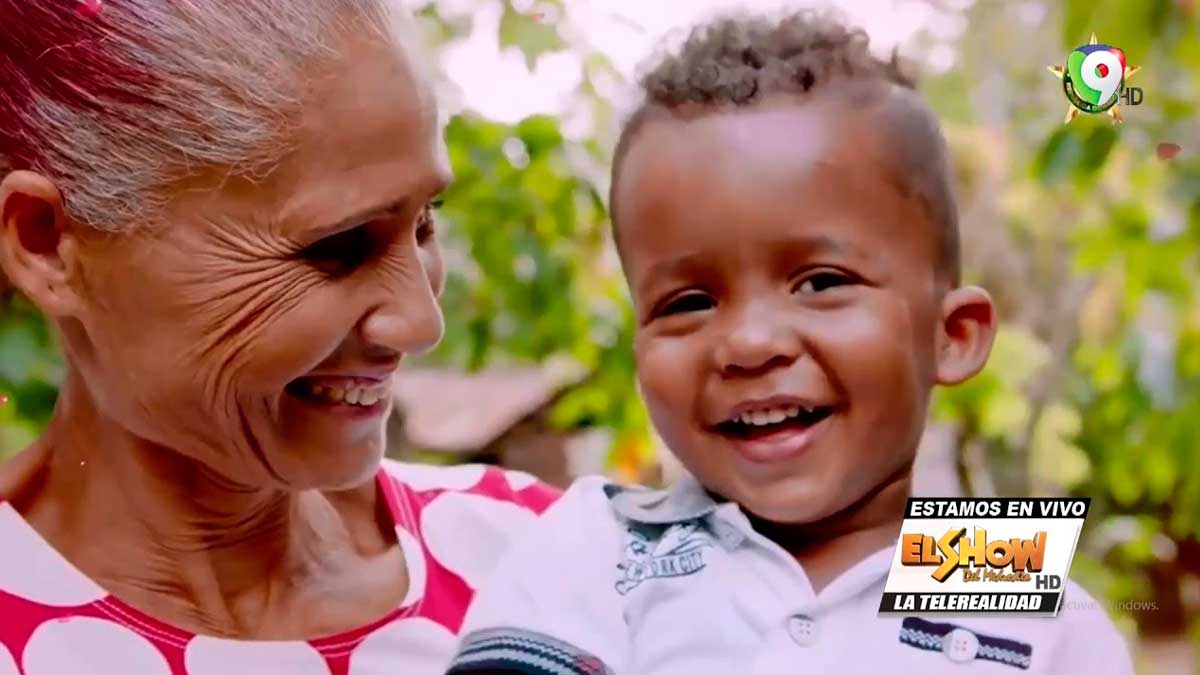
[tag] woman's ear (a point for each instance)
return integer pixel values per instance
(36, 253)
(967, 330)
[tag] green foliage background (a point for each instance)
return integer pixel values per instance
(1090, 244)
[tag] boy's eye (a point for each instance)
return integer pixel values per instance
(340, 253)
(688, 302)
(822, 281)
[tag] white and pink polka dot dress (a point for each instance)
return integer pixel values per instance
(452, 522)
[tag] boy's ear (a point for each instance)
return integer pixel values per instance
(966, 333)
(36, 254)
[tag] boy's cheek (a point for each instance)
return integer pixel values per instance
(665, 366)
(665, 401)
(874, 344)
(880, 370)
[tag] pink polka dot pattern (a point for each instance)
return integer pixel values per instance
(452, 524)
(470, 557)
(8, 665)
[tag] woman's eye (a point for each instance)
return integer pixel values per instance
(822, 281)
(341, 253)
(690, 302)
(426, 223)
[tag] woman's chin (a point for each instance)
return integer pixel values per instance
(332, 469)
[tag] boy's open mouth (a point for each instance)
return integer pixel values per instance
(755, 424)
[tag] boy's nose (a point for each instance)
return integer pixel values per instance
(755, 343)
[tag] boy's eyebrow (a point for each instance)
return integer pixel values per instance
(675, 266)
(692, 261)
(825, 244)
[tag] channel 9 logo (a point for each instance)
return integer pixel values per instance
(1094, 80)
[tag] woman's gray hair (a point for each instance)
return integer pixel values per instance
(119, 103)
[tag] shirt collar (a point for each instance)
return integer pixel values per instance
(684, 501)
(688, 500)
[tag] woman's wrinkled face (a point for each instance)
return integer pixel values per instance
(258, 329)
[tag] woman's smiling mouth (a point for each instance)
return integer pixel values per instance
(357, 397)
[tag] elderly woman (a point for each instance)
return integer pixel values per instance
(224, 208)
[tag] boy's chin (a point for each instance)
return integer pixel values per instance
(833, 502)
(784, 514)
(787, 502)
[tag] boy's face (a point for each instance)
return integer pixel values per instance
(791, 319)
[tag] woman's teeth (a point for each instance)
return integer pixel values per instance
(366, 395)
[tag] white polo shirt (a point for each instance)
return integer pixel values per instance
(637, 582)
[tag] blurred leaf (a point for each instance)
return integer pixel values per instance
(443, 29)
(540, 135)
(1054, 457)
(1058, 156)
(1075, 26)
(529, 33)
(19, 351)
(1095, 151)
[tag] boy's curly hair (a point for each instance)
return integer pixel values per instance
(742, 59)
(737, 61)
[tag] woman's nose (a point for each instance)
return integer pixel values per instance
(408, 320)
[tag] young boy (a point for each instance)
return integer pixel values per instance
(785, 218)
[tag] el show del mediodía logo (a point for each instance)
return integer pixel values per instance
(984, 556)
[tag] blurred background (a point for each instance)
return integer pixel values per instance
(1087, 234)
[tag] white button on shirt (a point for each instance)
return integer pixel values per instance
(960, 645)
(672, 583)
(803, 630)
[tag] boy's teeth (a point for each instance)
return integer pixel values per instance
(760, 418)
